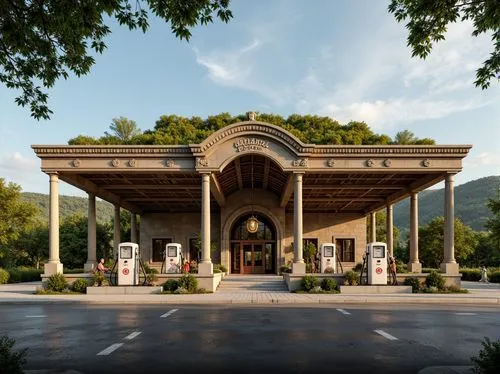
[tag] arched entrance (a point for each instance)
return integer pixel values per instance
(253, 253)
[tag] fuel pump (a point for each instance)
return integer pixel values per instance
(376, 258)
(173, 258)
(328, 255)
(128, 264)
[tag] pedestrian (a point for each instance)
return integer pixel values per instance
(484, 275)
(99, 274)
(101, 267)
(392, 264)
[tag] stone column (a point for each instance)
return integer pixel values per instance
(298, 266)
(54, 265)
(414, 266)
(373, 224)
(389, 230)
(205, 267)
(133, 228)
(449, 265)
(116, 231)
(91, 263)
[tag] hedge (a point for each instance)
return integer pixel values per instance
(24, 274)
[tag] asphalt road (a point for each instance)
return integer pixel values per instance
(247, 339)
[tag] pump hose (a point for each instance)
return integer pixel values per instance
(141, 266)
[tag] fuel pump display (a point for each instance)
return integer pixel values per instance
(376, 254)
(327, 253)
(128, 264)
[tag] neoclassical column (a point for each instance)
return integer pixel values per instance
(373, 224)
(414, 266)
(116, 231)
(133, 228)
(449, 265)
(54, 265)
(91, 263)
(298, 266)
(205, 266)
(389, 231)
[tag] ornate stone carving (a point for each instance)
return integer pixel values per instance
(132, 162)
(169, 163)
(387, 162)
(76, 163)
(331, 163)
(300, 162)
(426, 163)
(201, 162)
(370, 163)
(252, 144)
(115, 162)
(251, 116)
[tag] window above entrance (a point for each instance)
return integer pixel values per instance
(265, 231)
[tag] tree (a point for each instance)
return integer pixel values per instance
(43, 41)
(124, 129)
(15, 214)
(32, 247)
(431, 242)
(493, 223)
(428, 21)
(406, 137)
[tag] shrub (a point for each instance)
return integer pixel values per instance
(171, 285)
(57, 282)
(99, 279)
(429, 270)
(308, 282)
(473, 275)
(329, 270)
(351, 277)
(358, 267)
(413, 282)
(80, 285)
(434, 279)
(488, 360)
(151, 275)
(4, 276)
(329, 284)
(11, 362)
(495, 277)
(401, 268)
(220, 268)
(188, 282)
(24, 274)
(285, 269)
(217, 270)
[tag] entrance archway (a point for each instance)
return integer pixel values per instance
(253, 253)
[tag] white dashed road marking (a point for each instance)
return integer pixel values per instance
(40, 316)
(385, 335)
(168, 313)
(344, 311)
(133, 335)
(466, 314)
(110, 349)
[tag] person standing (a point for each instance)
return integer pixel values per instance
(484, 275)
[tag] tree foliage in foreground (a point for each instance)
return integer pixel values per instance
(311, 129)
(428, 21)
(43, 41)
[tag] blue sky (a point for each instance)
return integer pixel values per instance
(345, 59)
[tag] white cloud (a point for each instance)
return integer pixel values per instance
(485, 159)
(17, 162)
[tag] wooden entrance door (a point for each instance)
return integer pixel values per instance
(252, 256)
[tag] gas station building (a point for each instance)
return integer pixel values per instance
(299, 193)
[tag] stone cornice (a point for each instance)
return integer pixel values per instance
(115, 150)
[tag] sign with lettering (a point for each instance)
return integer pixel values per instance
(250, 144)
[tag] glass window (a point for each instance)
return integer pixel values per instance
(265, 232)
(257, 256)
(126, 252)
(378, 251)
(345, 249)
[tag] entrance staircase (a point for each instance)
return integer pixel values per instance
(235, 283)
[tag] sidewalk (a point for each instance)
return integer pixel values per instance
(479, 294)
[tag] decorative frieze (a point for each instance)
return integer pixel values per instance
(132, 163)
(76, 163)
(169, 163)
(250, 144)
(115, 162)
(301, 162)
(387, 162)
(331, 163)
(426, 163)
(370, 163)
(201, 162)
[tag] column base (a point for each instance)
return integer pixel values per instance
(90, 266)
(414, 267)
(52, 268)
(298, 268)
(449, 268)
(205, 268)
